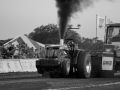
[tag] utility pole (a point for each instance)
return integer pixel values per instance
(96, 25)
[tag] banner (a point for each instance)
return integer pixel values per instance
(3, 66)
(28, 65)
(17, 65)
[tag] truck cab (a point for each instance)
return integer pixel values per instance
(113, 34)
(111, 53)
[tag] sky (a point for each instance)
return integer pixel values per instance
(19, 17)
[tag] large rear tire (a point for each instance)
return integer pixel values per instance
(84, 65)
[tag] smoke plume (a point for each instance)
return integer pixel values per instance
(66, 8)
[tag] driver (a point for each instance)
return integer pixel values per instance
(71, 50)
(71, 45)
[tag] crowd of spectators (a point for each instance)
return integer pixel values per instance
(20, 51)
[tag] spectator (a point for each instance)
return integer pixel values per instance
(16, 53)
(31, 53)
(4, 53)
(0, 53)
(37, 53)
(10, 51)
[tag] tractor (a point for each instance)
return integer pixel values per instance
(67, 59)
(64, 60)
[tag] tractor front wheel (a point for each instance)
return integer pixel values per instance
(66, 67)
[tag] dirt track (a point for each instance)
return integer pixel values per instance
(33, 81)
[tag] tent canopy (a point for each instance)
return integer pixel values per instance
(24, 39)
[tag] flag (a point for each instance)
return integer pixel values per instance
(109, 21)
(100, 22)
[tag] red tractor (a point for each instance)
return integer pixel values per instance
(67, 59)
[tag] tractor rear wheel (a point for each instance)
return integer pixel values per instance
(84, 65)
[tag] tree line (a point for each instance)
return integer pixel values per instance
(49, 34)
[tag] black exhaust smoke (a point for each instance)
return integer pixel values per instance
(66, 8)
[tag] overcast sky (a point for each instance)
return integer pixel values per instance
(23, 16)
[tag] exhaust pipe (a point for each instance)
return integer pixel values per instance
(61, 42)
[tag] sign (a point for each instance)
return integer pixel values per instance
(107, 63)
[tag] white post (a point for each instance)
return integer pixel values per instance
(61, 42)
(96, 24)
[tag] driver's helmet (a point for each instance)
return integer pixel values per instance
(71, 45)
